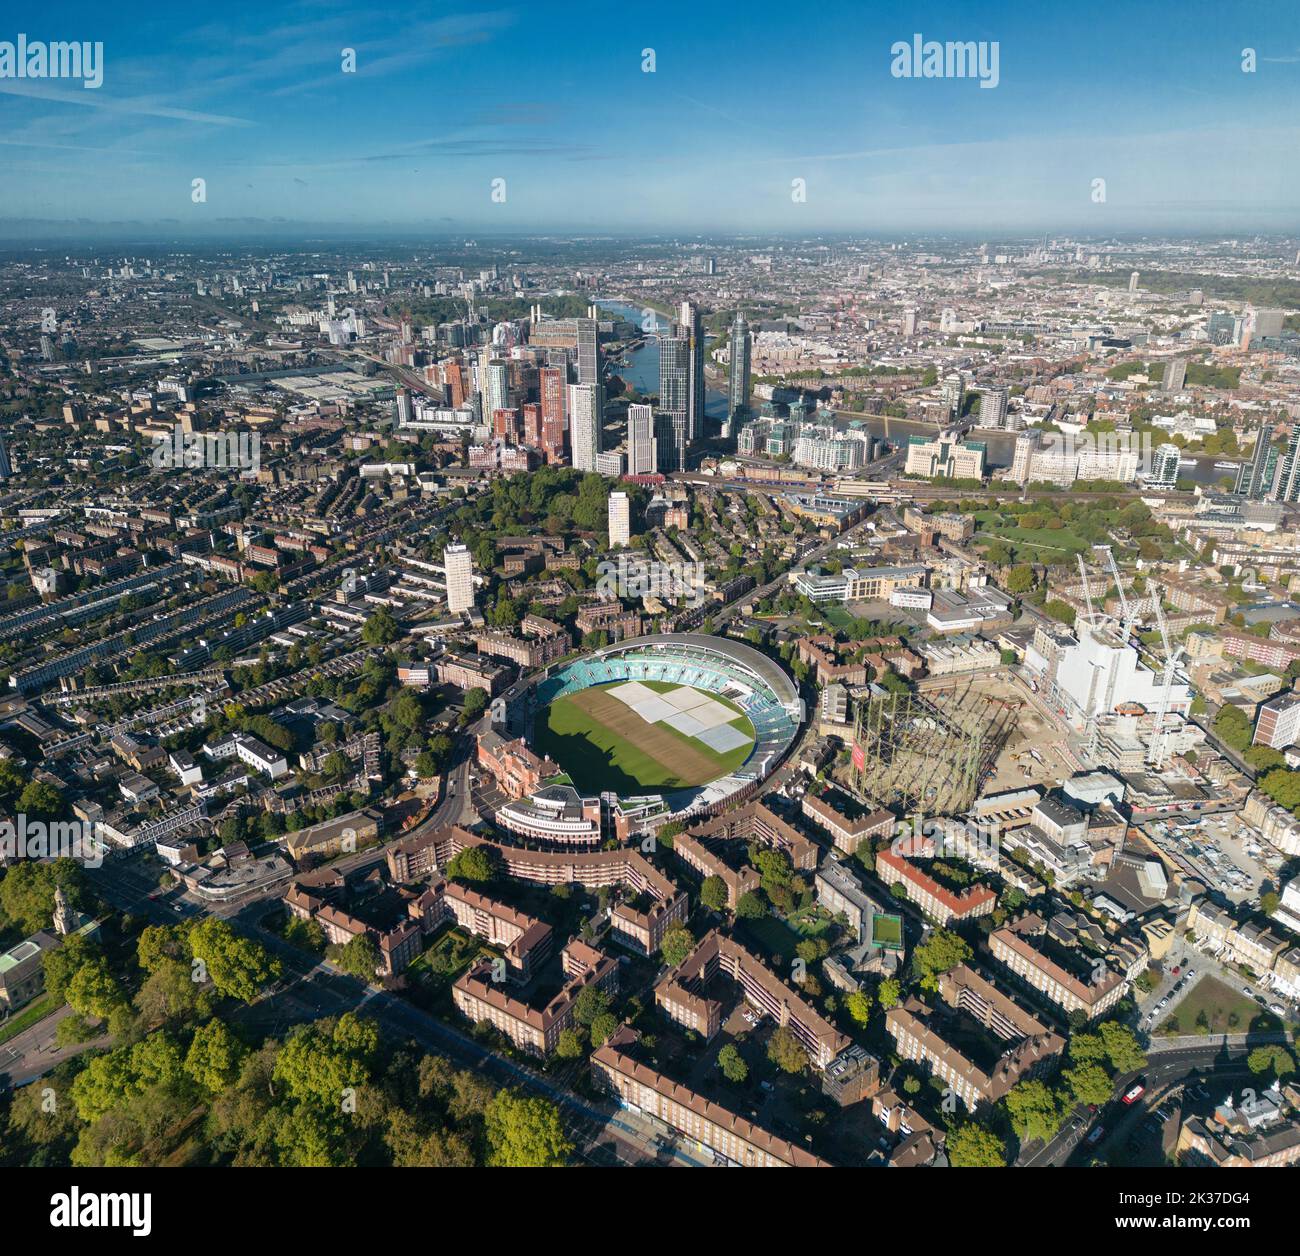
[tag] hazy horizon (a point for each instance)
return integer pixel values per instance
(785, 120)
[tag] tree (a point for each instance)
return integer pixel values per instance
(940, 952)
(1088, 1083)
(381, 628)
(1062, 612)
(733, 1067)
(359, 956)
(1122, 1048)
(94, 991)
(713, 893)
(591, 1003)
(214, 1057)
(525, 1133)
(471, 864)
(1036, 1112)
(238, 966)
(972, 1146)
(677, 944)
(786, 1051)
(859, 1007)
(889, 994)
(1233, 728)
(320, 1063)
(27, 891)
(1020, 579)
(750, 907)
(475, 702)
(1272, 1060)
(40, 801)
(61, 965)
(603, 1028)
(569, 1045)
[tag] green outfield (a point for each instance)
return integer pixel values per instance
(602, 744)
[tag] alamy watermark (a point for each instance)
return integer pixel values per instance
(217, 451)
(976, 842)
(636, 578)
(1088, 455)
(63, 59)
(22, 838)
(928, 58)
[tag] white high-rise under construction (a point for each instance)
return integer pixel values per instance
(620, 520)
(584, 425)
(641, 440)
(459, 567)
(1103, 673)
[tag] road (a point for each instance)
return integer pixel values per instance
(1165, 1065)
(35, 1051)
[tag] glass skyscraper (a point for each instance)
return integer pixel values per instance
(738, 391)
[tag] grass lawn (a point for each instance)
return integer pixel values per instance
(1226, 1010)
(448, 957)
(836, 616)
(772, 936)
(632, 756)
(1062, 540)
(25, 1019)
(811, 923)
(887, 930)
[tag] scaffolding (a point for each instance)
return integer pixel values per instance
(928, 752)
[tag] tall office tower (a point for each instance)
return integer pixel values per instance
(453, 374)
(952, 392)
(496, 388)
(553, 383)
(909, 322)
(352, 282)
(584, 425)
(1268, 323)
(692, 327)
(1133, 281)
(533, 425)
(1287, 486)
(641, 440)
(404, 412)
(587, 333)
(459, 568)
(506, 425)
(620, 519)
(1255, 478)
(588, 350)
(738, 389)
(674, 388)
(993, 407)
(6, 468)
(666, 432)
(1175, 374)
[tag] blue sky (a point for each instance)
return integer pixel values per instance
(745, 98)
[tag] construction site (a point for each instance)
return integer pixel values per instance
(930, 750)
